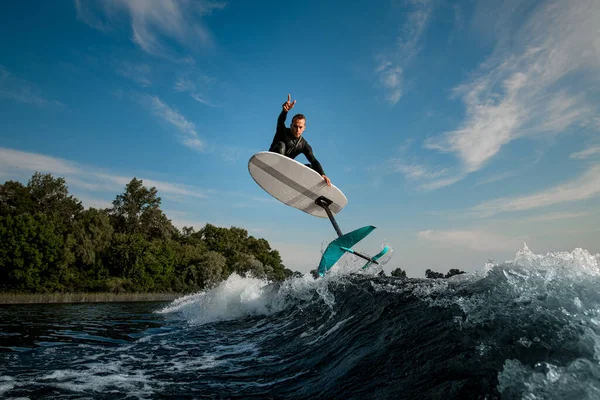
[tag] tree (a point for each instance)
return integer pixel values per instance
(205, 272)
(399, 273)
(125, 257)
(223, 240)
(137, 210)
(453, 272)
(15, 199)
(48, 242)
(30, 253)
(248, 263)
(51, 196)
(433, 275)
(92, 234)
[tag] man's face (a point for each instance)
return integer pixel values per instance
(298, 126)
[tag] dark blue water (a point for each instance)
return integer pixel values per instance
(526, 329)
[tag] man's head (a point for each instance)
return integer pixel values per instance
(298, 125)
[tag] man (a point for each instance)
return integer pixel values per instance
(289, 141)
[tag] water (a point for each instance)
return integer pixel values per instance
(525, 329)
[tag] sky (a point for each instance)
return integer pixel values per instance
(463, 130)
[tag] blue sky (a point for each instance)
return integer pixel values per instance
(461, 130)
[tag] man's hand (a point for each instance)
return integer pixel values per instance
(287, 106)
(326, 180)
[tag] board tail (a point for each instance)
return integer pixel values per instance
(341, 245)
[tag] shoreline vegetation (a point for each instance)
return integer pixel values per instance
(65, 298)
(53, 249)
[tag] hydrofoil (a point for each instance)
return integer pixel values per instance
(299, 186)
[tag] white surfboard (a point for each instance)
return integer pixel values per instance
(294, 183)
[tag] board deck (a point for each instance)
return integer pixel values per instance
(294, 184)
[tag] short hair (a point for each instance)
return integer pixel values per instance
(298, 116)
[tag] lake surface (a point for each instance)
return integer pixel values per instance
(529, 329)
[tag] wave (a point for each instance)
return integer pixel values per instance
(526, 328)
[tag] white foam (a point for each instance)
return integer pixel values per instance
(99, 378)
(238, 297)
(233, 298)
(557, 286)
(7, 383)
(578, 379)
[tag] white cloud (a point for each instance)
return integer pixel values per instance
(477, 240)
(21, 91)
(83, 176)
(176, 189)
(15, 159)
(496, 178)
(150, 19)
(557, 216)
(390, 77)
(584, 187)
(20, 165)
(173, 117)
(587, 153)
(201, 99)
(537, 88)
(139, 73)
(431, 178)
(417, 20)
(440, 183)
(186, 85)
(390, 68)
(414, 171)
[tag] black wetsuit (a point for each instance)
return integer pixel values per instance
(285, 143)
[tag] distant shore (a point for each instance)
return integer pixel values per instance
(46, 298)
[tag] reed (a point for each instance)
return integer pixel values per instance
(33, 298)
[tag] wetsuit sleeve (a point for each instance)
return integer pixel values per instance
(278, 143)
(308, 153)
(281, 121)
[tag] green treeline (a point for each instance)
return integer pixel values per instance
(400, 273)
(50, 243)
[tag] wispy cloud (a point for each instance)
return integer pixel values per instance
(16, 164)
(176, 189)
(557, 216)
(529, 90)
(189, 136)
(496, 178)
(587, 153)
(429, 178)
(151, 19)
(32, 162)
(414, 171)
(440, 183)
(139, 73)
(82, 176)
(584, 187)
(390, 77)
(22, 91)
(186, 85)
(391, 64)
(477, 240)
